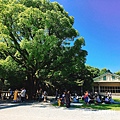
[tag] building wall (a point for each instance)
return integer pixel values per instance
(102, 88)
(106, 84)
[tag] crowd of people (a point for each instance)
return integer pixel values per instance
(89, 98)
(17, 96)
(41, 95)
(64, 98)
(97, 99)
(20, 95)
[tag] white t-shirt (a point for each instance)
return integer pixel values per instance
(23, 93)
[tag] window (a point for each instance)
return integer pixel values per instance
(102, 89)
(95, 89)
(111, 89)
(113, 77)
(104, 77)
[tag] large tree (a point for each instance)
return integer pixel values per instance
(36, 35)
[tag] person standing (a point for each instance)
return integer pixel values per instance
(10, 93)
(86, 97)
(15, 95)
(23, 94)
(67, 99)
(40, 93)
(45, 96)
(56, 94)
(63, 99)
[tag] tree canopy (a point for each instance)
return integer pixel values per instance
(35, 35)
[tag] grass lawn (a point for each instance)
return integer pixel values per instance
(98, 106)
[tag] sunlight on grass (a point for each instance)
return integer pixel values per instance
(97, 106)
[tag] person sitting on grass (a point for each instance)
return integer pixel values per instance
(106, 100)
(112, 101)
(76, 98)
(98, 100)
(90, 99)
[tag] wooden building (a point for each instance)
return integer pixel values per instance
(107, 82)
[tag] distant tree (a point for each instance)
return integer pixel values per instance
(102, 71)
(95, 72)
(89, 73)
(117, 73)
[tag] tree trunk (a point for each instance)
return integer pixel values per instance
(30, 86)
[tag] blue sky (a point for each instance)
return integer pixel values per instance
(98, 21)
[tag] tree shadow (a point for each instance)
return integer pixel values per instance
(7, 104)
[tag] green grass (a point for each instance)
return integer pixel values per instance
(100, 106)
(97, 106)
(117, 99)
